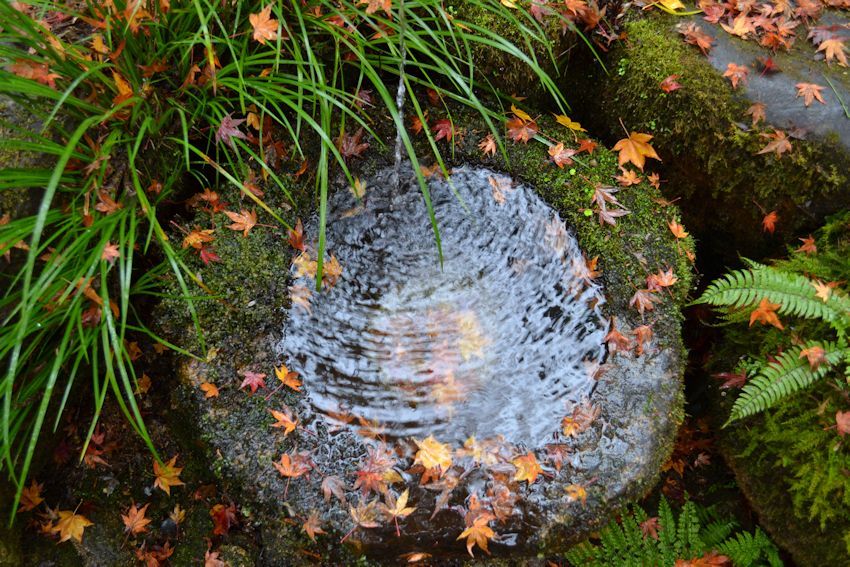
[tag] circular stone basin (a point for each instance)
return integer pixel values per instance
(500, 341)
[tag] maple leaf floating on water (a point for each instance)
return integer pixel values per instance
(432, 454)
(229, 129)
(167, 475)
(810, 92)
(635, 149)
(765, 314)
(70, 526)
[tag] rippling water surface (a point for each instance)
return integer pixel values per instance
(501, 340)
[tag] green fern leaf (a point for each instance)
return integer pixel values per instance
(777, 380)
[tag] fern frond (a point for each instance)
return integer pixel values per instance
(794, 293)
(787, 374)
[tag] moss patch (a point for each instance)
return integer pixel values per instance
(702, 133)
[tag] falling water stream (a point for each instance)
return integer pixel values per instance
(501, 340)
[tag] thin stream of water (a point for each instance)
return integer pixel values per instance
(502, 340)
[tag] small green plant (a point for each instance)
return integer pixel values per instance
(667, 540)
(762, 293)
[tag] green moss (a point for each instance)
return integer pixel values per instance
(707, 146)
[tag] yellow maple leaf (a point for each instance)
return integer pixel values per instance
(167, 475)
(527, 468)
(432, 454)
(70, 525)
(521, 113)
(566, 122)
(478, 534)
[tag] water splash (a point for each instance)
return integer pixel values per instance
(501, 341)
(399, 96)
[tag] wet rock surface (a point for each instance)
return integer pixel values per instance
(630, 407)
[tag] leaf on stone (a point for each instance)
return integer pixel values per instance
(333, 486)
(224, 518)
(644, 300)
(527, 468)
(229, 129)
(576, 493)
(635, 149)
(741, 26)
(810, 93)
(209, 389)
(479, 533)
(265, 27)
(312, 526)
(70, 525)
(833, 49)
(289, 379)
(443, 129)
(167, 475)
(757, 112)
(352, 145)
(253, 380)
(135, 521)
(520, 130)
(779, 143)
(296, 236)
(617, 342)
(488, 145)
(293, 465)
(244, 220)
(765, 314)
(694, 35)
(566, 122)
(736, 74)
(561, 156)
(285, 420)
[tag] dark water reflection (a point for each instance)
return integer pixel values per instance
(501, 341)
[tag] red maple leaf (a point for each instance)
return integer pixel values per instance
(229, 129)
(351, 145)
(443, 129)
(253, 380)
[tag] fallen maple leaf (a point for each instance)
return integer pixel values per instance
(731, 379)
(769, 221)
(779, 145)
(741, 26)
(288, 378)
(197, 238)
(527, 468)
(765, 313)
(167, 475)
(443, 129)
(223, 517)
(710, 559)
(488, 145)
(670, 84)
(560, 155)
(312, 525)
(433, 454)
(649, 527)
(212, 559)
(694, 35)
(810, 92)
(352, 145)
(244, 220)
(576, 492)
(229, 129)
(293, 465)
(635, 149)
(38, 72)
(833, 48)
(253, 380)
(822, 290)
(566, 122)
(397, 508)
(627, 178)
(70, 525)
(842, 422)
(210, 390)
(520, 130)
(478, 534)
(808, 246)
(815, 355)
(285, 420)
(736, 74)
(644, 300)
(296, 236)
(677, 229)
(617, 341)
(757, 112)
(333, 486)
(31, 497)
(265, 27)
(134, 520)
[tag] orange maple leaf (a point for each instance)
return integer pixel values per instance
(769, 221)
(478, 534)
(70, 525)
(527, 468)
(779, 144)
(765, 313)
(810, 92)
(244, 220)
(210, 390)
(288, 378)
(833, 48)
(635, 149)
(265, 27)
(736, 74)
(285, 420)
(135, 521)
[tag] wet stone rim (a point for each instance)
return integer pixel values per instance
(600, 459)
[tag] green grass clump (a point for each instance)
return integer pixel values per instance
(134, 98)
